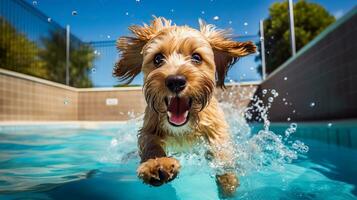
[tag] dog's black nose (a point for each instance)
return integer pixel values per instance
(175, 83)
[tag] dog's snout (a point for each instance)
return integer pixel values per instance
(176, 83)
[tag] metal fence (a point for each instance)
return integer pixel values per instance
(34, 44)
(106, 56)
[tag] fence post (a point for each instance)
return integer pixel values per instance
(262, 48)
(67, 53)
(292, 27)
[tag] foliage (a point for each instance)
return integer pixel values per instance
(310, 19)
(19, 54)
(54, 55)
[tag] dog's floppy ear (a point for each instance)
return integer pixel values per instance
(226, 51)
(130, 48)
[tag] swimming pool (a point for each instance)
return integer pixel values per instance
(99, 162)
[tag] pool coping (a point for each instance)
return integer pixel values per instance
(81, 123)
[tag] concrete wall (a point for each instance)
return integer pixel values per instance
(321, 81)
(92, 104)
(25, 98)
(28, 98)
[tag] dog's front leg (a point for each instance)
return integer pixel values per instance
(155, 168)
(226, 177)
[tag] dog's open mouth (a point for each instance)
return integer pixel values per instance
(178, 109)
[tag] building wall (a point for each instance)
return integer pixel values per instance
(321, 81)
(25, 98)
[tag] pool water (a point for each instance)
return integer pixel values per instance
(72, 162)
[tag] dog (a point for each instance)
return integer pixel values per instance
(182, 67)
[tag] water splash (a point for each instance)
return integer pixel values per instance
(253, 150)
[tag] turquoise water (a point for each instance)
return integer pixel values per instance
(70, 162)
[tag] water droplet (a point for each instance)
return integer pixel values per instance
(126, 13)
(95, 51)
(293, 125)
(246, 32)
(65, 101)
(94, 70)
(215, 18)
(286, 103)
(245, 23)
(312, 104)
(114, 142)
(172, 10)
(49, 19)
(288, 119)
(272, 37)
(329, 124)
(294, 111)
(34, 3)
(264, 91)
(74, 13)
(270, 99)
(202, 12)
(251, 68)
(230, 22)
(137, 1)
(285, 78)
(300, 146)
(273, 91)
(284, 99)
(108, 36)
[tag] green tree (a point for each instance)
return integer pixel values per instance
(17, 53)
(54, 56)
(310, 19)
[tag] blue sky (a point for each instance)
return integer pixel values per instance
(108, 19)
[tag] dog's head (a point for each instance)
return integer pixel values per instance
(181, 65)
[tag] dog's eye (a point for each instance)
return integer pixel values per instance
(158, 59)
(196, 58)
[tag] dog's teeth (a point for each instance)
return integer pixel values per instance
(169, 114)
(169, 100)
(186, 113)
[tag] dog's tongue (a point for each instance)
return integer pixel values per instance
(178, 110)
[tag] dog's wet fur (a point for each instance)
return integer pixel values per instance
(182, 67)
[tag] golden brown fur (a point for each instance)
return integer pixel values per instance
(206, 120)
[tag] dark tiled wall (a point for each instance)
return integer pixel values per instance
(321, 82)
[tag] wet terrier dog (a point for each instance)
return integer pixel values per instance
(182, 67)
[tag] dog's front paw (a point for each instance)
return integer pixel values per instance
(159, 170)
(227, 184)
